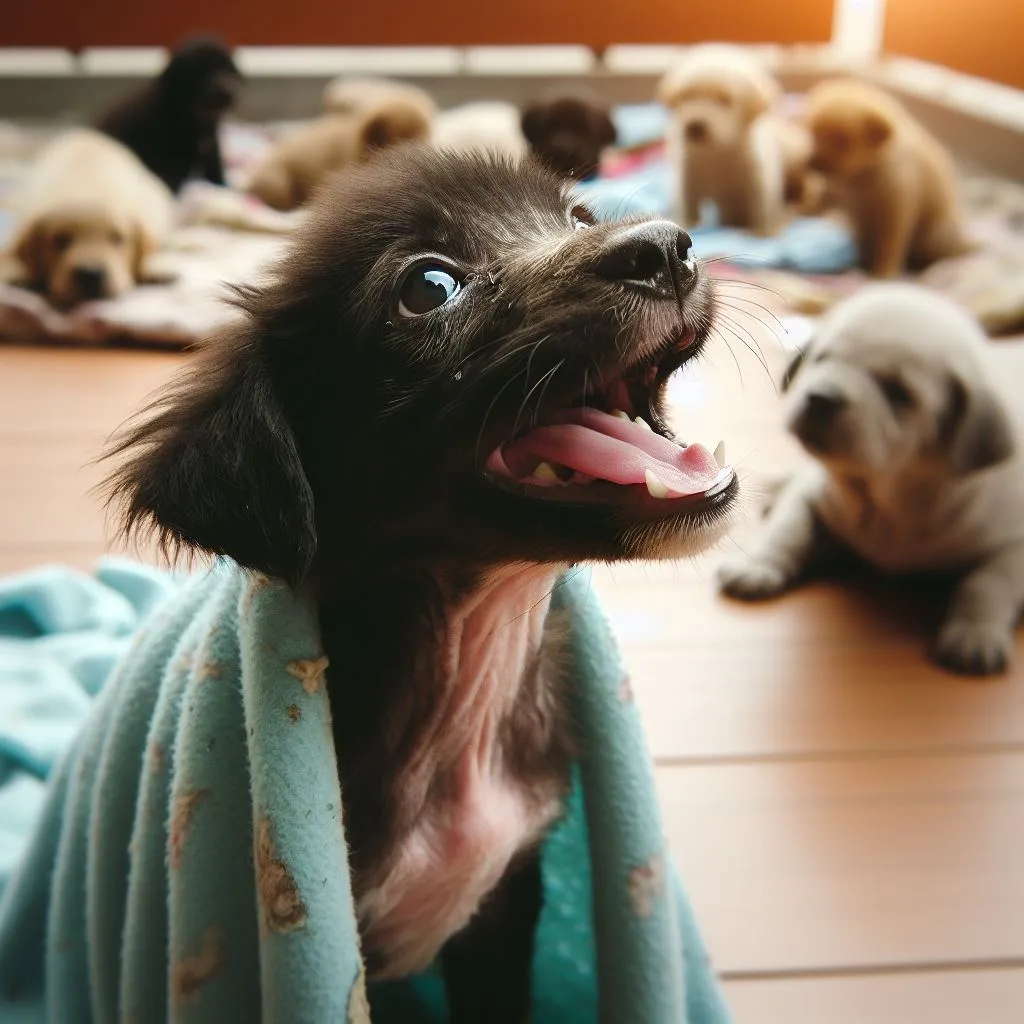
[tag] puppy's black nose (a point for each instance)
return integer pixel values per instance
(90, 279)
(820, 407)
(696, 131)
(654, 257)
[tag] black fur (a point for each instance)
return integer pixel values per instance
(329, 440)
(171, 122)
(568, 132)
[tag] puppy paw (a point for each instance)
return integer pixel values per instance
(973, 648)
(752, 579)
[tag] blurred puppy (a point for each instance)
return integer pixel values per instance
(893, 179)
(89, 215)
(304, 158)
(486, 126)
(172, 122)
(350, 95)
(916, 468)
(567, 132)
(724, 143)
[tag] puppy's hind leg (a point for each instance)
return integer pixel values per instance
(977, 635)
(790, 542)
(488, 966)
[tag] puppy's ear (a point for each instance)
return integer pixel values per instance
(534, 122)
(29, 249)
(758, 99)
(877, 130)
(143, 247)
(975, 428)
(215, 467)
(389, 127)
(789, 374)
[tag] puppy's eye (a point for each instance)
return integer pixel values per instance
(61, 240)
(427, 287)
(896, 393)
(116, 238)
(582, 218)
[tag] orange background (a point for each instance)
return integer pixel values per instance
(596, 23)
(981, 37)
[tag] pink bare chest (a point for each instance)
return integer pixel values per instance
(477, 815)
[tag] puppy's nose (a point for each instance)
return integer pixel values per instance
(696, 131)
(654, 257)
(90, 279)
(822, 406)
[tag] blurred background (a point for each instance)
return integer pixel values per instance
(849, 819)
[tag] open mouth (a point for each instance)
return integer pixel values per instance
(611, 446)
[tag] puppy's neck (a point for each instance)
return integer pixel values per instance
(424, 663)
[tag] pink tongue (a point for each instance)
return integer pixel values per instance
(609, 448)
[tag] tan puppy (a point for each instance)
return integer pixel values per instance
(89, 216)
(302, 159)
(916, 468)
(725, 145)
(893, 179)
(350, 95)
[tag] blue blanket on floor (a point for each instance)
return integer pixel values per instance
(170, 821)
(810, 245)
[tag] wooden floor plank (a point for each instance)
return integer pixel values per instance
(953, 997)
(798, 866)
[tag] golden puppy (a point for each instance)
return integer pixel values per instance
(725, 144)
(89, 216)
(302, 159)
(889, 175)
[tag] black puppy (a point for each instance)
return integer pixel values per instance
(451, 392)
(171, 123)
(568, 132)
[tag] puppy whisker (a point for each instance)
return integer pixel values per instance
(754, 350)
(490, 409)
(526, 397)
(761, 306)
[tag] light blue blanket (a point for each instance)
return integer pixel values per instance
(185, 858)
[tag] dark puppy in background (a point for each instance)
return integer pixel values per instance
(172, 122)
(568, 132)
(452, 391)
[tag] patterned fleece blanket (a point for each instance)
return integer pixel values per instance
(171, 837)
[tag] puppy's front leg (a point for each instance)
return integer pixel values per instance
(790, 540)
(488, 965)
(977, 636)
(892, 232)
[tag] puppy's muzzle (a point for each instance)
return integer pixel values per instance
(653, 258)
(813, 421)
(697, 131)
(90, 280)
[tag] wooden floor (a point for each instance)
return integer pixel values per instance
(849, 821)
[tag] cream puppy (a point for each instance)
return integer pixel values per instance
(725, 143)
(89, 217)
(915, 468)
(483, 126)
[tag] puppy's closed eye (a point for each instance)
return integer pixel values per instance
(897, 394)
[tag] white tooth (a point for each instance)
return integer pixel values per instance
(655, 488)
(621, 414)
(546, 473)
(640, 421)
(720, 454)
